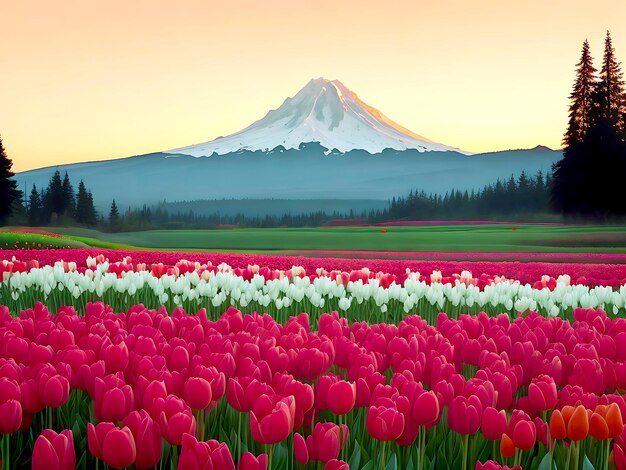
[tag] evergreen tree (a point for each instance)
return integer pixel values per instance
(81, 212)
(114, 217)
(34, 207)
(54, 200)
(68, 196)
(9, 194)
(581, 99)
(610, 89)
(92, 215)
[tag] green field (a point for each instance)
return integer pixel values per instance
(445, 238)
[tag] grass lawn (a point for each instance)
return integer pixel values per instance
(448, 238)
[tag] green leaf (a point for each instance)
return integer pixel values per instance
(393, 463)
(587, 464)
(545, 463)
(355, 459)
(369, 465)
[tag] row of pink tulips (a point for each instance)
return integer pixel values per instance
(144, 388)
(594, 272)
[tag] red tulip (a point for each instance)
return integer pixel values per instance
(426, 409)
(384, 423)
(270, 421)
(113, 445)
(197, 393)
(9, 390)
(542, 393)
(11, 412)
(464, 414)
(113, 399)
(175, 423)
(249, 462)
(54, 390)
(147, 435)
(491, 465)
(54, 451)
(524, 435)
(204, 455)
(493, 424)
(326, 441)
(336, 465)
(300, 449)
(341, 397)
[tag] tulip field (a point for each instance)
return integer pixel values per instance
(143, 359)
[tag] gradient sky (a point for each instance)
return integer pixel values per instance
(87, 80)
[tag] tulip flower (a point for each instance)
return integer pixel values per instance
(493, 424)
(54, 451)
(507, 447)
(341, 397)
(524, 435)
(113, 400)
(598, 428)
(271, 422)
(464, 415)
(300, 449)
(54, 390)
(115, 446)
(425, 410)
(336, 465)
(578, 425)
(542, 393)
(558, 428)
(197, 454)
(197, 393)
(147, 436)
(614, 421)
(384, 423)
(11, 412)
(249, 462)
(175, 423)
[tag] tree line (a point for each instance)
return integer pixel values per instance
(524, 197)
(59, 203)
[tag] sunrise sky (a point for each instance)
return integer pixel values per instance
(87, 80)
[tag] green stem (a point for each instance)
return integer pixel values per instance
(383, 456)
(270, 455)
(6, 448)
(238, 443)
(465, 450)
(422, 447)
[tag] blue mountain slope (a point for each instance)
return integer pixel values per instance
(305, 173)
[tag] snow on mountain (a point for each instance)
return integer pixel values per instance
(326, 112)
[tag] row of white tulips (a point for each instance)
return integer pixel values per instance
(224, 288)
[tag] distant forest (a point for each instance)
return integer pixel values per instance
(524, 198)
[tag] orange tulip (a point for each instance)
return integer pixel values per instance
(578, 425)
(558, 429)
(614, 420)
(598, 428)
(507, 448)
(567, 411)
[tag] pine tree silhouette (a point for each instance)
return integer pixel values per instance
(9, 194)
(581, 99)
(609, 98)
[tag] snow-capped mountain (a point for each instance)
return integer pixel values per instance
(326, 112)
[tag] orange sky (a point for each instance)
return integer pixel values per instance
(87, 80)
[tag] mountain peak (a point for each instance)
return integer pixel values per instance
(323, 111)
